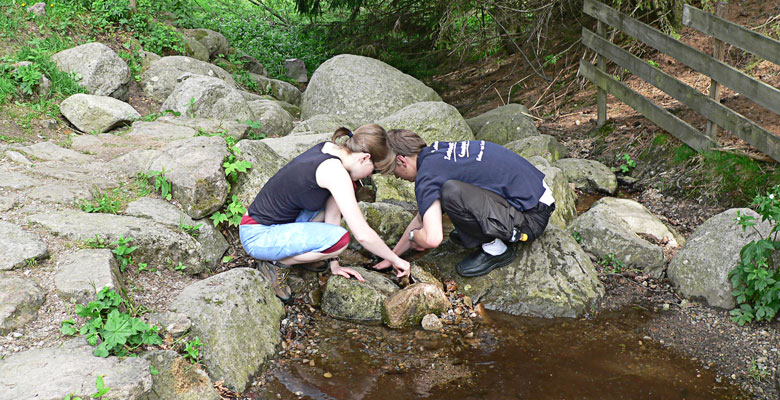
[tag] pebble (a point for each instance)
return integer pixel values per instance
(327, 375)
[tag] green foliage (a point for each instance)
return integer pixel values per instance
(612, 264)
(161, 183)
(101, 387)
(96, 243)
(191, 230)
(113, 332)
(653, 63)
(233, 212)
(122, 251)
(101, 203)
(684, 153)
(577, 237)
(192, 350)
(153, 116)
(626, 164)
(756, 279)
(233, 166)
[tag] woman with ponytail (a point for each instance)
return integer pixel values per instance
(296, 217)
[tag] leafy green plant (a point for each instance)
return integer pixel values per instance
(123, 251)
(192, 350)
(192, 230)
(653, 63)
(101, 203)
(577, 237)
(191, 107)
(112, 331)
(233, 166)
(627, 164)
(161, 183)
(612, 264)
(102, 389)
(96, 242)
(756, 279)
(232, 215)
(28, 77)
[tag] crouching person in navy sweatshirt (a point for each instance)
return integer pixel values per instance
(493, 197)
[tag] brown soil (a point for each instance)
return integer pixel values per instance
(564, 107)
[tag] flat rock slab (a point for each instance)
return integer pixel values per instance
(60, 193)
(157, 244)
(15, 180)
(588, 175)
(94, 174)
(56, 372)
(49, 151)
(20, 299)
(18, 246)
(86, 272)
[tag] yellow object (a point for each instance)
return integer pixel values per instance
(523, 237)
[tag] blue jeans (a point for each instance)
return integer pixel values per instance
(277, 242)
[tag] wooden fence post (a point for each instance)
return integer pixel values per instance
(601, 63)
(718, 52)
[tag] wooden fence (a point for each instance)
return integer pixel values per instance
(720, 73)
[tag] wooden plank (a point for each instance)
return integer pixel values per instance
(718, 52)
(666, 120)
(727, 118)
(758, 91)
(601, 95)
(729, 32)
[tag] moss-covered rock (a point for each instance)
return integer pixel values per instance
(503, 124)
(431, 120)
(549, 277)
(544, 146)
(406, 308)
(388, 220)
(352, 300)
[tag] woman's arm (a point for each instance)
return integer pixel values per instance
(331, 175)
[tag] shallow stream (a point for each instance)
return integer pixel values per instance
(504, 357)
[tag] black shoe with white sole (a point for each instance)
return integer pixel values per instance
(480, 263)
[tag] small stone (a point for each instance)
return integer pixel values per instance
(431, 322)
(311, 363)
(327, 375)
(666, 306)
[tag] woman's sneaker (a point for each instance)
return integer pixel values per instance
(271, 275)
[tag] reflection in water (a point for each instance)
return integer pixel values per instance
(513, 358)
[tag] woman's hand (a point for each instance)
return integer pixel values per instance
(402, 267)
(385, 264)
(346, 272)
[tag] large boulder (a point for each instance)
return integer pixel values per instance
(195, 49)
(503, 124)
(97, 114)
(157, 244)
(162, 76)
(279, 90)
(19, 246)
(55, 373)
(625, 229)
(265, 164)
(544, 146)
(431, 120)
(102, 71)
(588, 175)
(339, 86)
(214, 42)
(550, 277)
(406, 308)
(700, 269)
(322, 123)
(207, 97)
(391, 189)
(20, 299)
(388, 220)
(192, 166)
(273, 119)
(291, 146)
(565, 197)
(352, 300)
(236, 316)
